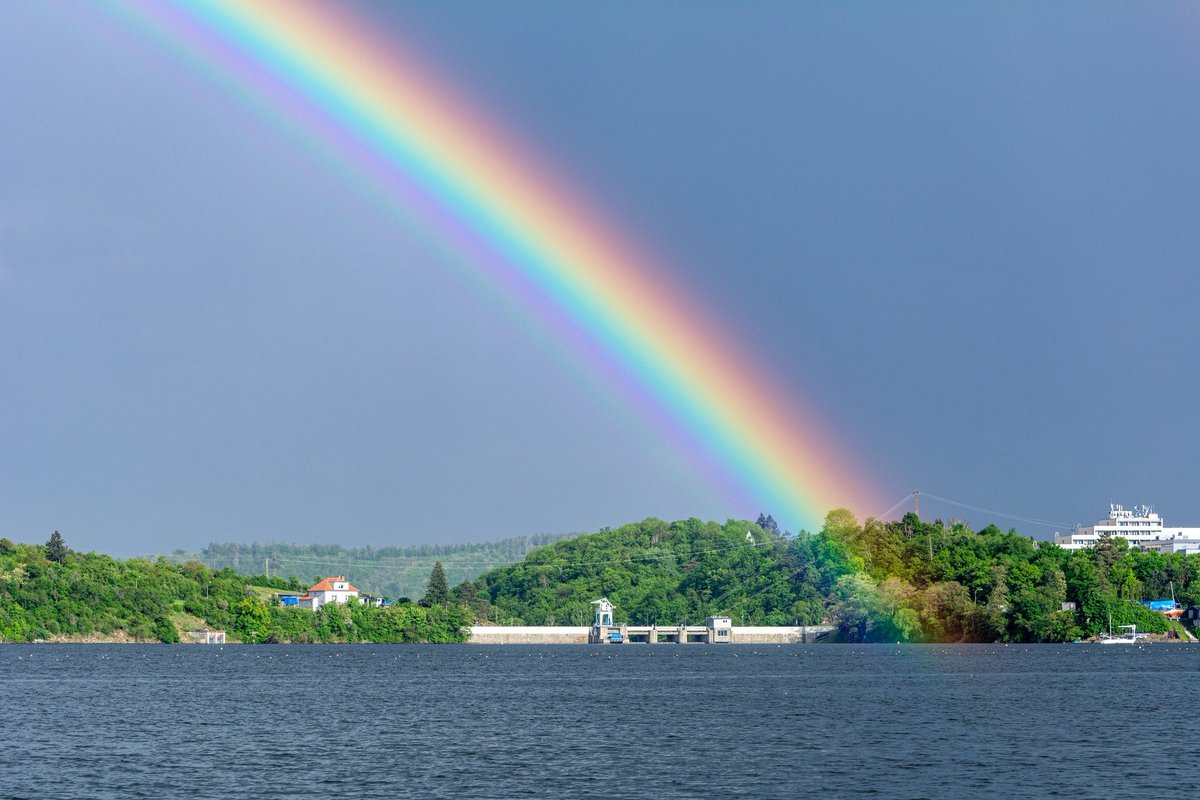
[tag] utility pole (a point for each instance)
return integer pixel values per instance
(917, 504)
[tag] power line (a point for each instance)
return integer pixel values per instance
(899, 503)
(1018, 517)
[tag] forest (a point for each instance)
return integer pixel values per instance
(907, 580)
(49, 592)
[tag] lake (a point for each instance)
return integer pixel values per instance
(464, 721)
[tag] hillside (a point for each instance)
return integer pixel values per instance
(906, 580)
(48, 592)
(656, 571)
(386, 571)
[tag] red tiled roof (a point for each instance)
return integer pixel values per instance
(327, 585)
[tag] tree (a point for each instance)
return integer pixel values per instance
(437, 591)
(465, 593)
(991, 623)
(56, 548)
(251, 620)
(946, 610)
(840, 522)
(767, 523)
(856, 607)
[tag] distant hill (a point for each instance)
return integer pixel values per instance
(388, 571)
(907, 580)
(655, 571)
(51, 593)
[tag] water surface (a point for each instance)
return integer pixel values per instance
(463, 721)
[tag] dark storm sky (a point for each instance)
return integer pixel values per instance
(963, 235)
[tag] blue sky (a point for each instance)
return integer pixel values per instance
(964, 235)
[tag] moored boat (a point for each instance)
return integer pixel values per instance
(1125, 638)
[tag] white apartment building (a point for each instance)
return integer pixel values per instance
(1141, 526)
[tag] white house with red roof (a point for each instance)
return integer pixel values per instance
(331, 590)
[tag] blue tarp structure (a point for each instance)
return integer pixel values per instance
(1159, 605)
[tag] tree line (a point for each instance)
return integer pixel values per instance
(906, 580)
(49, 591)
(389, 571)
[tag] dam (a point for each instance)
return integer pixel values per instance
(715, 630)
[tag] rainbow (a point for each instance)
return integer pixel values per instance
(412, 142)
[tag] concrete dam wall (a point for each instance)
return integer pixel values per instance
(535, 634)
(528, 634)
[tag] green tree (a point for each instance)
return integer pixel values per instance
(437, 591)
(767, 523)
(334, 623)
(251, 620)
(856, 610)
(991, 620)
(840, 522)
(165, 632)
(946, 612)
(56, 548)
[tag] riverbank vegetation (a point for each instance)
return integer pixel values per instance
(48, 592)
(906, 580)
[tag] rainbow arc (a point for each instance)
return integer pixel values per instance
(368, 101)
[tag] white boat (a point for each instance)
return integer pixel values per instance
(1125, 638)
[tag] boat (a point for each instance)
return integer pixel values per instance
(1125, 638)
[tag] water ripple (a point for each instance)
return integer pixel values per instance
(394, 721)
